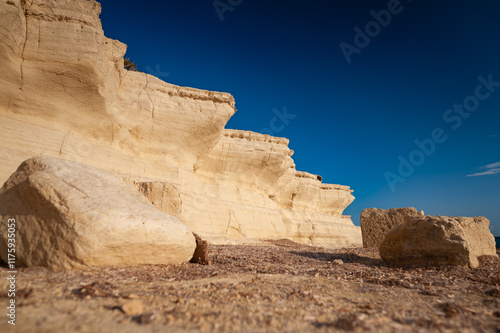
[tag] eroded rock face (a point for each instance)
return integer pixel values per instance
(376, 223)
(439, 240)
(69, 215)
(163, 196)
(252, 160)
(248, 189)
(65, 94)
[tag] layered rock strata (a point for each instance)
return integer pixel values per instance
(64, 93)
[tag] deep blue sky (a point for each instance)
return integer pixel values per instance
(352, 120)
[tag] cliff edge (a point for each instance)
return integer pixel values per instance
(65, 93)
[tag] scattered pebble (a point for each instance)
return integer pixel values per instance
(133, 308)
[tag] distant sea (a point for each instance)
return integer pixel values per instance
(497, 240)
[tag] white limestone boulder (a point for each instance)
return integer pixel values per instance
(439, 240)
(69, 215)
(376, 223)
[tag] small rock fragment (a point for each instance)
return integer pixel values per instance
(200, 255)
(133, 308)
(451, 309)
(495, 292)
(338, 262)
(145, 318)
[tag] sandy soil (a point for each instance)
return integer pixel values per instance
(280, 287)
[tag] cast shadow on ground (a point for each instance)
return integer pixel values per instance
(346, 257)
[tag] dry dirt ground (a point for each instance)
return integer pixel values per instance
(280, 287)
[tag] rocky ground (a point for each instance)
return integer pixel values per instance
(280, 287)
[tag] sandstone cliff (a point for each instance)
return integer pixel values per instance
(64, 93)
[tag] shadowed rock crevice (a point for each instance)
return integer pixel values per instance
(201, 255)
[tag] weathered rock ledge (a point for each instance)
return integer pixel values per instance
(252, 136)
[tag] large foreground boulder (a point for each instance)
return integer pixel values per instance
(69, 215)
(439, 240)
(376, 223)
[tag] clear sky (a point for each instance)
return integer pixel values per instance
(398, 99)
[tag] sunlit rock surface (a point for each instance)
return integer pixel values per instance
(64, 93)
